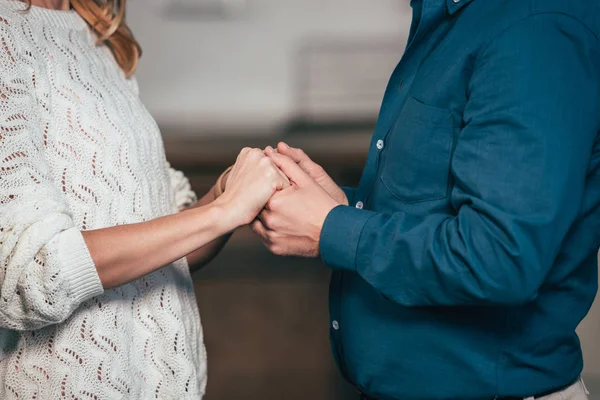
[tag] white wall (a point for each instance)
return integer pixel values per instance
(214, 73)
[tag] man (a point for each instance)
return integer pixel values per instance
(467, 256)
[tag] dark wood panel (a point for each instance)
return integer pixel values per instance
(340, 149)
(266, 326)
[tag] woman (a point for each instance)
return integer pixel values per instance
(96, 299)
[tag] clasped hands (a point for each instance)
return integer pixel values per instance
(284, 196)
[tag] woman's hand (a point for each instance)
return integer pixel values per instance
(250, 184)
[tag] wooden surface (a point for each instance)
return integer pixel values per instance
(332, 148)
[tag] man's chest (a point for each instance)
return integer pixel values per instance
(422, 115)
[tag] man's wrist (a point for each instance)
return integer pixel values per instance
(321, 222)
(345, 201)
(340, 236)
(349, 193)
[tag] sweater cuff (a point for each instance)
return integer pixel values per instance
(340, 236)
(79, 269)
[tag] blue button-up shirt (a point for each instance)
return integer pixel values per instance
(467, 256)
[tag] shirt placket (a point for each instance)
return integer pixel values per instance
(424, 19)
(395, 96)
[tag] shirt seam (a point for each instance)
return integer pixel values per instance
(360, 238)
(530, 16)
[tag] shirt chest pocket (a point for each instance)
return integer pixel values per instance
(417, 163)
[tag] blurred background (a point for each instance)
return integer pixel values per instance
(219, 75)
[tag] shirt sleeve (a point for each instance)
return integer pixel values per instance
(47, 270)
(185, 197)
(519, 169)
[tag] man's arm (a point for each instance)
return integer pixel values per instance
(519, 170)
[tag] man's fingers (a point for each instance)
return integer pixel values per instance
(298, 155)
(259, 229)
(295, 154)
(263, 218)
(290, 169)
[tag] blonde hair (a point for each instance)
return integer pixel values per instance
(107, 20)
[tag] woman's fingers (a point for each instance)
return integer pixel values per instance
(253, 180)
(284, 182)
(269, 150)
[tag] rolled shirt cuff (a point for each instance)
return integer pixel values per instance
(340, 236)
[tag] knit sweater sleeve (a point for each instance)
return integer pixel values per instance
(46, 270)
(185, 197)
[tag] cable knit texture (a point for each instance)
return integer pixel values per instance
(79, 151)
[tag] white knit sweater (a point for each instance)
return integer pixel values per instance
(79, 151)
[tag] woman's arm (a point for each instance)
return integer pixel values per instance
(185, 199)
(206, 253)
(49, 266)
(124, 253)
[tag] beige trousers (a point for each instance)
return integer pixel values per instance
(576, 391)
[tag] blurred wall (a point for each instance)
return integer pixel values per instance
(215, 72)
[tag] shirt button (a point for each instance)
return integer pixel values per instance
(360, 205)
(335, 325)
(380, 144)
(456, 1)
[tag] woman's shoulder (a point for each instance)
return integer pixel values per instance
(14, 28)
(12, 12)
(17, 39)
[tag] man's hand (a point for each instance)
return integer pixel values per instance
(251, 183)
(313, 169)
(292, 220)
